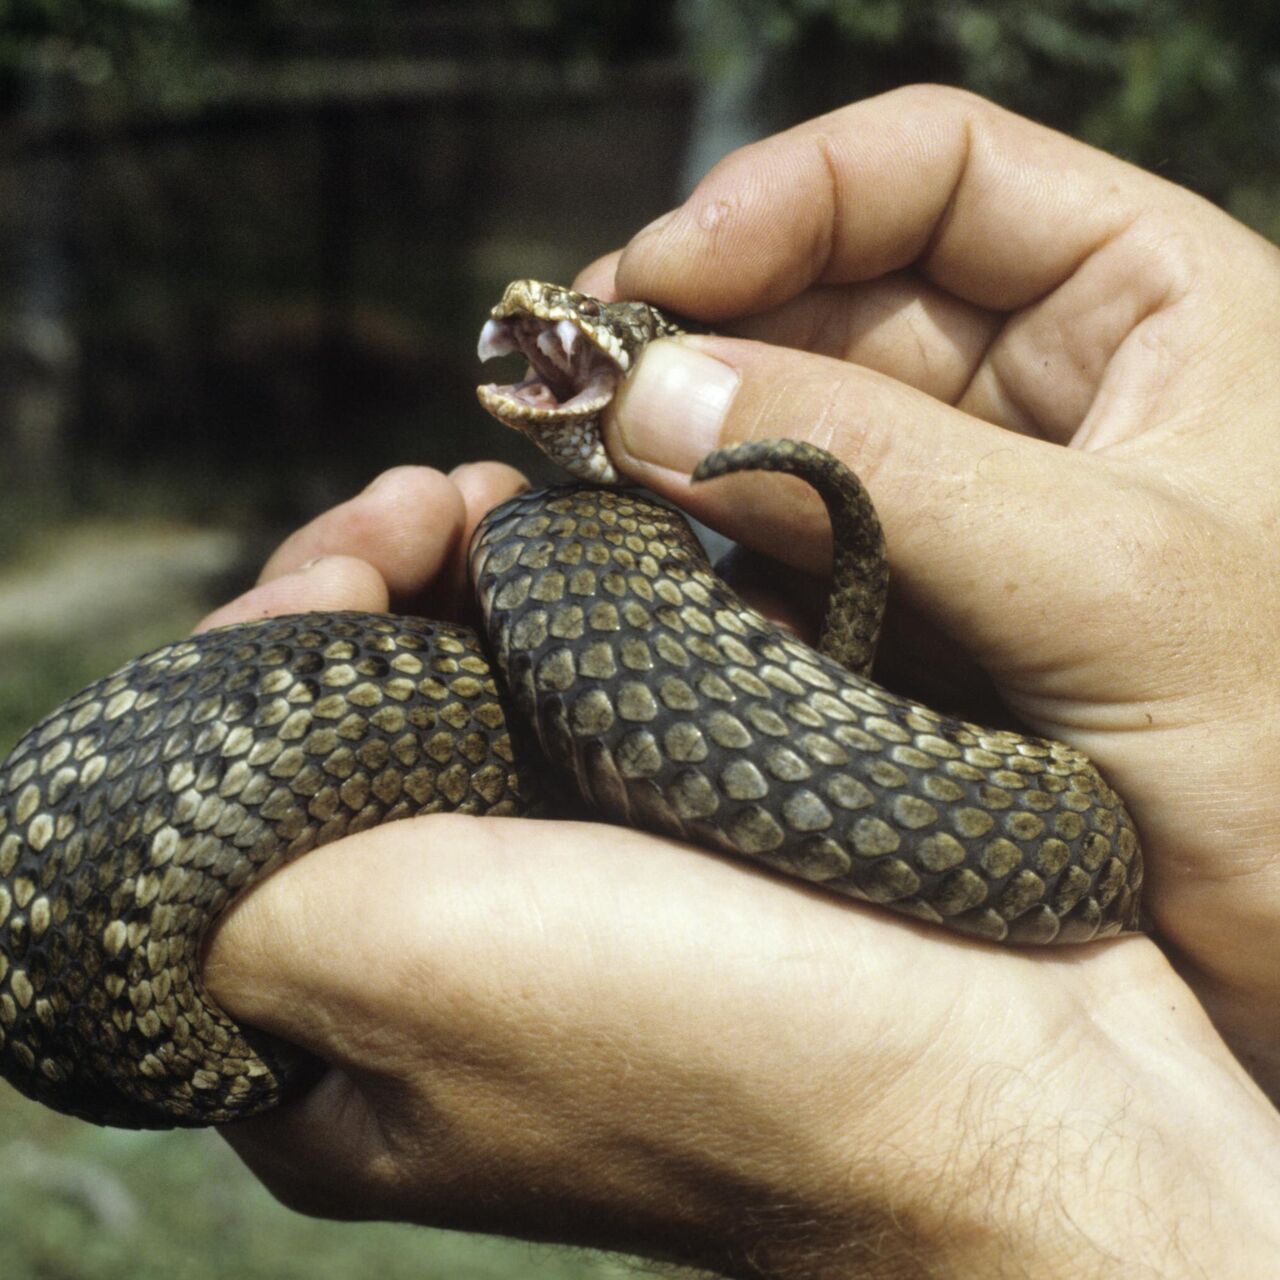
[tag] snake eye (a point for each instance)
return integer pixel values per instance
(588, 307)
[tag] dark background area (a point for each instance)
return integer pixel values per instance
(246, 247)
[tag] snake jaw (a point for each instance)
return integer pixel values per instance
(578, 350)
(569, 375)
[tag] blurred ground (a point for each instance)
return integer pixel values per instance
(100, 576)
(79, 599)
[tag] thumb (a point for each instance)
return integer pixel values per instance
(973, 513)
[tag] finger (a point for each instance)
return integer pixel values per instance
(325, 584)
(446, 968)
(989, 206)
(442, 910)
(482, 485)
(899, 325)
(970, 511)
(279, 960)
(313, 1152)
(407, 524)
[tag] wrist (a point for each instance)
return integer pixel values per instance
(1132, 1145)
(1135, 1146)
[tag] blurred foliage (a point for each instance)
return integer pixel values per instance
(162, 52)
(1189, 88)
(610, 33)
(255, 224)
(167, 53)
(96, 43)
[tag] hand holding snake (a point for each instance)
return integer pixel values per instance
(801, 1031)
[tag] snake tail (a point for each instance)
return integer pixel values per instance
(859, 587)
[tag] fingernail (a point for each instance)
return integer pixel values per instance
(671, 411)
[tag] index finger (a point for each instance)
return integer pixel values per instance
(991, 207)
(400, 542)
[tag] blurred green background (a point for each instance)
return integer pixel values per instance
(245, 250)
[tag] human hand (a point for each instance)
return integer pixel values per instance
(577, 1033)
(1057, 376)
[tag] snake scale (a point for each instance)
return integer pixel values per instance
(615, 668)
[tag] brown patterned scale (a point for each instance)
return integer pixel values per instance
(131, 816)
(625, 673)
(676, 708)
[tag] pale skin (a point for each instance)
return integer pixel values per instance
(1057, 376)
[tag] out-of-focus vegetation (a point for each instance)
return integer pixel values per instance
(245, 248)
(1187, 88)
(265, 229)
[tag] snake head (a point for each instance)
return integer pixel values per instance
(578, 349)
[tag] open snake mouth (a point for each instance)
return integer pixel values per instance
(578, 349)
(573, 369)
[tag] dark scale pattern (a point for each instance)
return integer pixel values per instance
(859, 559)
(679, 709)
(132, 814)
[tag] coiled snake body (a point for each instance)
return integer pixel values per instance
(615, 665)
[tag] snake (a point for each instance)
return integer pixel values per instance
(615, 675)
